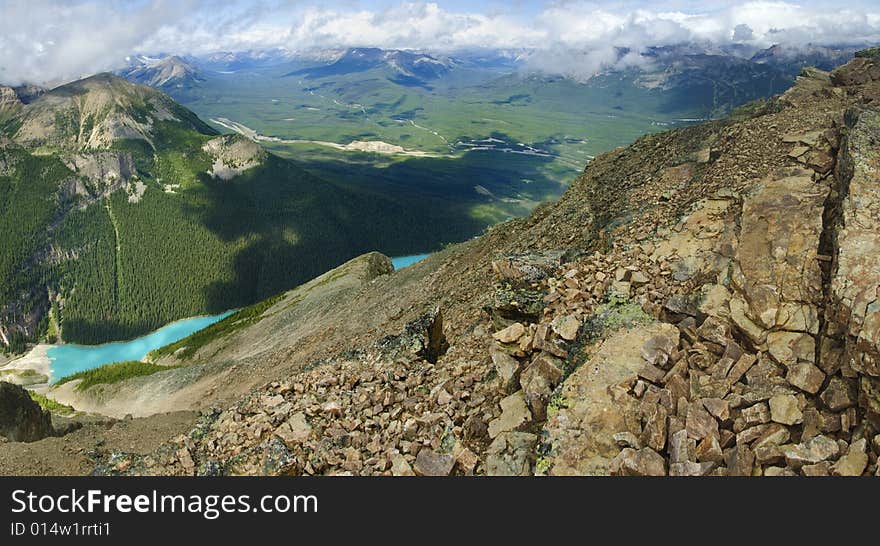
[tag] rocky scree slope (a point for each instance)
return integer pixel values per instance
(702, 302)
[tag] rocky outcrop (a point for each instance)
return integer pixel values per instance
(22, 419)
(853, 315)
(107, 171)
(232, 155)
(8, 98)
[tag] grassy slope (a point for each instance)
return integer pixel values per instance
(112, 373)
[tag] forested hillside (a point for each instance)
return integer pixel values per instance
(121, 211)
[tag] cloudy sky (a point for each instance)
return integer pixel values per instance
(45, 41)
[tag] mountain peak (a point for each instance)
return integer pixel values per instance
(169, 73)
(401, 66)
(97, 111)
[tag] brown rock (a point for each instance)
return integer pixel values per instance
(740, 461)
(567, 327)
(811, 426)
(854, 310)
(511, 334)
(780, 232)
(739, 316)
(812, 451)
(582, 431)
(789, 348)
(678, 387)
(652, 373)
(854, 462)
(538, 380)
(430, 463)
(644, 462)
(720, 409)
(678, 447)
(507, 368)
(690, 468)
(818, 469)
(768, 454)
(657, 350)
(756, 414)
(806, 377)
(514, 415)
(774, 434)
(751, 434)
(622, 289)
(699, 423)
(627, 439)
(295, 430)
(467, 461)
(654, 434)
(332, 408)
(714, 330)
(784, 409)
(511, 454)
(838, 395)
(638, 278)
(743, 364)
(709, 450)
(186, 460)
(726, 438)
(776, 471)
(400, 467)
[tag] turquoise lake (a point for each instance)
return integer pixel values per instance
(69, 359)
(404, 261)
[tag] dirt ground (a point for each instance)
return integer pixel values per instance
(76, 453)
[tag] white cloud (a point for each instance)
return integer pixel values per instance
(45, 41)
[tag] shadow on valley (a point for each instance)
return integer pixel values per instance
(290, 224)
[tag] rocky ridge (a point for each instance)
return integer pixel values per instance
(233, 155)
(95, 113)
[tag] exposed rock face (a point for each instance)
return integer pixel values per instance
(854, 313)
(852, 341)
(107, 170)
(8, 97)
(21, 419)
(776, 272)
(233, 155)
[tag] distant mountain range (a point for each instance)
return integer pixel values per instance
(746, 72)
(404, 67)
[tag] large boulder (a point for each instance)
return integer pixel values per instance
(777, 273)
(22, 419)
